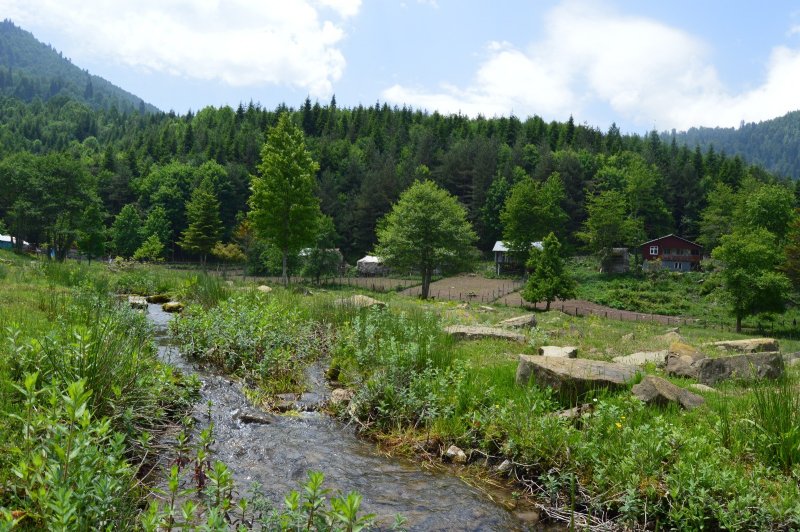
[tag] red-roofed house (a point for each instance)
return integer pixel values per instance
(675, 253)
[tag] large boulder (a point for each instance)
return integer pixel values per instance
(749, 345)
(659, 358)
(526, 321)
(470, 332)
(359, 301)
(158, 298)
(670, 337)
(657, 391)
(573, 377)
(748, 366)
(137, 302)
(682, 360)
(558, 351)
(264, 288)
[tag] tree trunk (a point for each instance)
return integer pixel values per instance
(426, 282)
(547, 306)
(738, 324)
(284, 277)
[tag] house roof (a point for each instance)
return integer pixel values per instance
(673, 236)
(501, 246)
(370, 259)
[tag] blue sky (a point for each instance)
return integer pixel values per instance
(643, 65)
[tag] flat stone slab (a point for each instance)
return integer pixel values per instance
(526, 321)
(746, 367)
(158, 298)
(573, 377)
(659, 392)
(359, 301)
(470, 332)
(750, 345)
(659, 358)
(558, 351)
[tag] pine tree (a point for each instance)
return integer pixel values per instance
(548, 280)
(202, 214)
(284, 208)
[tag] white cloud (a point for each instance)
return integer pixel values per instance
(239, 42)
(644, 70)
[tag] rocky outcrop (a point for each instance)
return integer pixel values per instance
(456, 455)
(670, 337)
(264, 288)
(359, 301)
(558, 351)
(158, 299)
(791, 359)
(137, 302)
(659, 358)
(526, 321)
(172, 306)
(657, 391)
(573, 377)
(746, 367)
(470, 332)
(682, 360)
(750, 345)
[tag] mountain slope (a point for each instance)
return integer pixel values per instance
(31, 69)
(773, 144)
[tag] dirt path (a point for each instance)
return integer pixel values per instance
(579, 307)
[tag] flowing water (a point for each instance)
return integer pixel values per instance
(277, 451)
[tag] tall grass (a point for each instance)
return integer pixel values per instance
(776, 417)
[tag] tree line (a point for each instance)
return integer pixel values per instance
(552, 176)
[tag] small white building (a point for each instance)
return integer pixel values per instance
(7, 242)
(371, 265)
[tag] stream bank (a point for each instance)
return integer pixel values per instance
(278, 451)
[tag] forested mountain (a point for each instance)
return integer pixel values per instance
(30, 69)
(773, 144)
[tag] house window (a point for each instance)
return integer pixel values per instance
(654, 250)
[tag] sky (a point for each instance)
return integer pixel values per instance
(642, 65)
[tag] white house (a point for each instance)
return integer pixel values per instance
(371, 265)
(503, 261)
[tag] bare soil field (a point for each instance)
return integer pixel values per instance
(468, 287)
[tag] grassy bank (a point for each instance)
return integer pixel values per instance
(732, 463)
(82, 396)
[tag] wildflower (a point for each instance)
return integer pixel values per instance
(619, 425)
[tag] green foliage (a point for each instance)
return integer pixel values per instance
(254, 336)
(427, 229)
(202, 214)
(151, 250)
(125, 232)
(157, 223)
(749, 279)
(548, 280)
(610, 224)
(776, 417)
(284, 209)
(531, 211)
(322, 259)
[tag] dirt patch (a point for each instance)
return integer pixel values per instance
(470, 288)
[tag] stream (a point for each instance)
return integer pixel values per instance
(277, 452)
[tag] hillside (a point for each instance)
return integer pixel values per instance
(773, 144)
(30, 69)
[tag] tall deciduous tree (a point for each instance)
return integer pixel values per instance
(322, 258)
(609, 224)
(426, 229)
(532, 210)
(549, 280)
(202, 214)
(750, 281)
(125, 232)
(284, 208)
